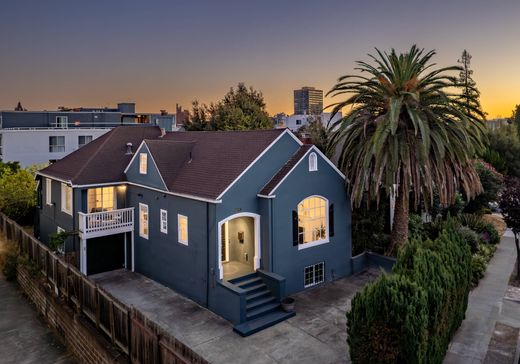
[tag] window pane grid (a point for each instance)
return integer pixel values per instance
(312, 220)
(313, 275)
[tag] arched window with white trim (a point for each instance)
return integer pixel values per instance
(313, 162)
(312, 220)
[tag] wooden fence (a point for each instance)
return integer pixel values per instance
(128, 329)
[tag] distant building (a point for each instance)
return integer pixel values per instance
(295, 122)
(497, 123)
(34, 137)
(181, 116)
(308, 100)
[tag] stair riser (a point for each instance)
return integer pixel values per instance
(260, 303)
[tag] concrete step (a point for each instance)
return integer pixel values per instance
(255, 288)
(258, 295)
(272, 318)
(249, 282)
(262, 310)
(257, 303)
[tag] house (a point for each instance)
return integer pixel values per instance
(233, 220)
(297, 121)
(34, 137)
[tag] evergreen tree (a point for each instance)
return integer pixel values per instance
(470, 95)
(515, 118)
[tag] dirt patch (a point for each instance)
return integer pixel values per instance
(502, 347)
(497, 221)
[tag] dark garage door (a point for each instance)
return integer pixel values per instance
(105, 254)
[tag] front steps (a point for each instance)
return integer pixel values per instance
(263, 309)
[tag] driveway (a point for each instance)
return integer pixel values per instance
(315, 335)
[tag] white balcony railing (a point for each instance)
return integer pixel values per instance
(106, 222)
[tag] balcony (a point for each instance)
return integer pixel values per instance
(106, 223)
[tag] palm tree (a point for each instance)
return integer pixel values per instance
(407, 133)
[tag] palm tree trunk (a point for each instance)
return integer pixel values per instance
(399, 233)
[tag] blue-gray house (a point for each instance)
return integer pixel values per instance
(234, 220)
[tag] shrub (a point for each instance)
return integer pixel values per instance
(369, 228)
(388, 322)
(478, 268)
(492, 182)
(9, 262)
(470, 237)
(383, 328)
(17, 194)
(473, 221)
(415, 226)
(486, 251)
(488, 233)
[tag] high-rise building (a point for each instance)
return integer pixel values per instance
(308, 100)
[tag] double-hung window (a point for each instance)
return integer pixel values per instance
(143, 163)
(312, 221)
(84, 139)
(56, 144)
(66, 198)
(62, 122)
(143, 220)
(164, 221)
(182, 224)
(48, 191)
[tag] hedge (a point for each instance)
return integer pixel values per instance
(411, 316)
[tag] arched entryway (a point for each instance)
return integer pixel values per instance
(238, 245)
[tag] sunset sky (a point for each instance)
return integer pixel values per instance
(159, 53)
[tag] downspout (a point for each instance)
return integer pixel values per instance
(271, 235)
(207, 255)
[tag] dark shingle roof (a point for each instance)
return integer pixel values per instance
(286, 168)
(217, 159)
(104, 159)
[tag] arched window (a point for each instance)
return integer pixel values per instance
(312, 220)
(313, 162)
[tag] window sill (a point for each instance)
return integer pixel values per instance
(183, 242)
(67, 212)
(312, 244)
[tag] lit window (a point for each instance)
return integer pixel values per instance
(313, 275)
(101, 199)
(48, 191)
(56, 144)
(313, 162)
(143, 221)
(312, 220)
(84, 139)
(62, 122)
(66, 199)
(143, 163)
(183, 229)
(164, 221)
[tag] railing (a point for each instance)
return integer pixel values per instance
(106, 222)
(128, 329)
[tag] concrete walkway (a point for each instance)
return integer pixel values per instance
(486, 308)
(317, 334)
(24, 337)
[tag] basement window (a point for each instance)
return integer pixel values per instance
(313, 275)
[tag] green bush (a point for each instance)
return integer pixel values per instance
(369, 228)
(478, 268)
(470, 237)
(388, 322)
(486, 251)
(9, 262)
(438, 271)
(473, 221)
(415, 226)
(488, 233)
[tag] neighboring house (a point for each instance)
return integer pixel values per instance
(235, 221)
(295, 122)
(33, 137)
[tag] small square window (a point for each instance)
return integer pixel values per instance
(84, 139)
(164, 221)
(143, 163)
(56, 144)
(313, 275)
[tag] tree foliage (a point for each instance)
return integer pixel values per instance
(470, 95)
(510, 204)
(491, 182)
(241, 109)
(17, 193)
(515, 118)
(503, 149)
(316, 131)
(408, 127)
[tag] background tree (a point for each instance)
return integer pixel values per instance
(241, 109)
(17, 194)
(515, 119)
(406, 131)
(503, 150)
(470, 94)
(316, 131)
(510, 206)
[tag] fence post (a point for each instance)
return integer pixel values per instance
(98, 306)
(112, 323)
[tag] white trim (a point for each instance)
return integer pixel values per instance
(54, 178)
(174, 193)
(142, 207)
(165, 230)
(135, 156)
(286, 131)
(83, 256)
(64, 188)
(182, 241)
(265, 196)
(294, 137)
(256, 261)
(327, 238)
(313, 148)
(156, 168)
(95, 185)
(313, 162)
(48, 191)
(143, 163)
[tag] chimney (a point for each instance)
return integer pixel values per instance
(129, 149)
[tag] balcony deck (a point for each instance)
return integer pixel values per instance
(106, 223)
